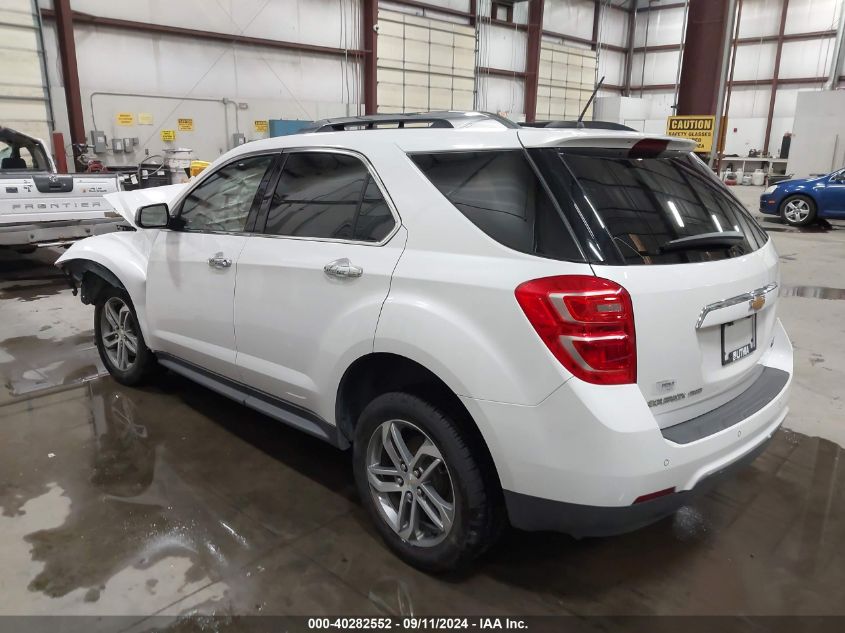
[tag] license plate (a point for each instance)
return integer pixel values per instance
(739, 339)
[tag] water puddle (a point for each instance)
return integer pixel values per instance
(813, 292)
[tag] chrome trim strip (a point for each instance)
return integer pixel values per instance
(732, 301)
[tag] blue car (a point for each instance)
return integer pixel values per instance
(804, 200)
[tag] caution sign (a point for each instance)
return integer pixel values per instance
(125, 118)
(185, 125)
(168, 135)
(695, 128)
(262, 126)
(145, 118)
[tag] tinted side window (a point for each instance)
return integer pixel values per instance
(374, 221)
(499, 192)
(223, 200)
(326, 195)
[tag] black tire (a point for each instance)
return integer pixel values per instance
(799, 200)
(144, 362)
(478, 518)
(29, 249)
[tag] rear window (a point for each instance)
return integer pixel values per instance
(644, 204)
(501, 194)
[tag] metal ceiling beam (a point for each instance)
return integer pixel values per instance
(581, 40)
(70, 75)
(501, 72)
(742, 41)
(747, 83)
(532, 58)
(229, 38)
(660, 7)
(470, 15)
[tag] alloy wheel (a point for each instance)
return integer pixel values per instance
(410, 483)
(118, 334)
(797, 210)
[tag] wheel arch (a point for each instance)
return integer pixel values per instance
(804, 193)
(382, 372)
(112, 260)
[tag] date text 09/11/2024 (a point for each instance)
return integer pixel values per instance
(421, 623)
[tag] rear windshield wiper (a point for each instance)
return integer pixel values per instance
(721, 239)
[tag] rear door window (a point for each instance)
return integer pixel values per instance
(500, 193)
(643, 204)
(328, 195)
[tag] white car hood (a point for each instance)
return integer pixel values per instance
(128, 202)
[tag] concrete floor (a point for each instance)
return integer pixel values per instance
(171, 499)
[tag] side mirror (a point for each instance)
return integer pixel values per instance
(153, 216)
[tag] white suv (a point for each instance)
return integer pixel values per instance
(569, 329)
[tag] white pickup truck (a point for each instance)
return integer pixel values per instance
(39, 207)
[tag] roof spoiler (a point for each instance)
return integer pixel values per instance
(584, 125)
(628, 143)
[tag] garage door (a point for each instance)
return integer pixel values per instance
(565, 82)
(24, 105)
(424, 64)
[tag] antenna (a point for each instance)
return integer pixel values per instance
(580, 123)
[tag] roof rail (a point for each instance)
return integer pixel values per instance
(444, 119)
(587, 125)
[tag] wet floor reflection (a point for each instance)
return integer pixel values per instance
(813, 292)
(173, 499)
(46, 336)
(176, 495)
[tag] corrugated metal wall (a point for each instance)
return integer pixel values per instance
(23, 94)
(424, 64)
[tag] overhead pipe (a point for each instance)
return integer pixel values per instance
(731, 74)
(838, 52)
(629, 53)
(42, 54)
(723, 79)
(775, 76)
(224, 101)
(680, 57)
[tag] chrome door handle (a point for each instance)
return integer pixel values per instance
(342, 268)
(218, 261)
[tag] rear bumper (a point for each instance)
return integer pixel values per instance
(51, 232)
(578, 461)
(536, 514)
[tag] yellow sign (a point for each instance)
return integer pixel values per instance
(125, 118)
(145, 118)
(168, 135)
(262, 126)
(185, 125)
(696, 128)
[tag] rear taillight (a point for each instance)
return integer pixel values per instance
(587, 323)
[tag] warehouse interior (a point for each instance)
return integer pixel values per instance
(170, 501)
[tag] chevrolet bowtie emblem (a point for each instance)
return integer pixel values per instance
(758, 302)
